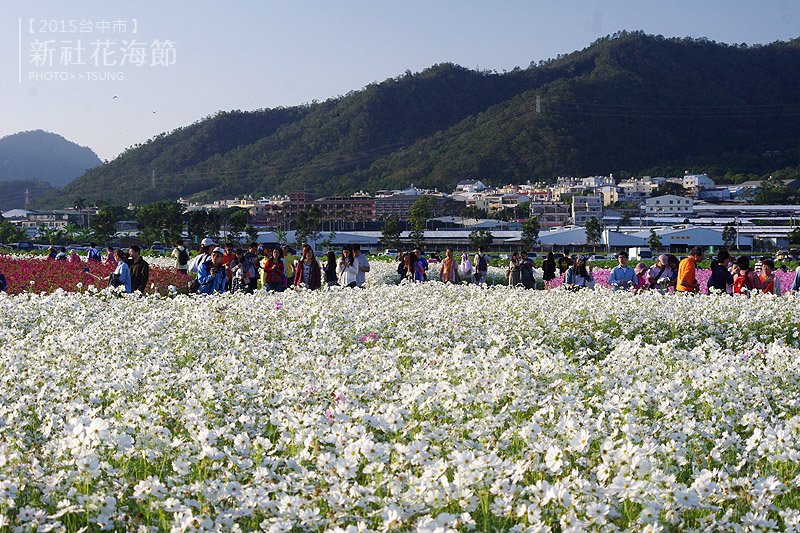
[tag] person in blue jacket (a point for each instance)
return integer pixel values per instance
(211, 275)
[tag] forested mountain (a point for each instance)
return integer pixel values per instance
(629, 103)
(45, 156)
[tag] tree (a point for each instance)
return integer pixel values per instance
(252, 234)
(473, 212)
(307, 225)
(669, 188)
(390, 233)
(160, 221)
(10, 233)
(794, 236)
(237, 219)
(103, 224)
(420, 212)
(654, 241)
(728, 235)
(594, 232)
(530, 233)
(480, 238)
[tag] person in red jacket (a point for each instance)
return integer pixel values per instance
(307, 272)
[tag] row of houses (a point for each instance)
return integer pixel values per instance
(677, 239)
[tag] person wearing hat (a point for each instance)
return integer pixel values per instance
(622, 276)
(660, 273)
(211, 274)
(641, 276)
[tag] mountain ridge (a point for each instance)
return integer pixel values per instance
(625, 103)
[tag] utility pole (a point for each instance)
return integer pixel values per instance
(538, 105)
(153, 179)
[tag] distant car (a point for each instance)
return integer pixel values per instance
(159, 249)
(390, 252)
(598, 258)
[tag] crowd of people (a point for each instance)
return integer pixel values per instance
(217, 269)
(228, 269)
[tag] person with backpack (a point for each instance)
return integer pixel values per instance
(481, 267)
(660, 274)
(466, 269)
(211, 275)
(140, 270)
(181, 257)
(201, 257)
(94, 254)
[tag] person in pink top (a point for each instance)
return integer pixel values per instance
(641, 275)
(111, 259)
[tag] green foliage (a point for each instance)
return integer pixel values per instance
(668, 187)
(594, 231)
(103, 222)
(473, 212)
(307, 225)
(654, 241)
(390, 233)
(419, 214)
(480, 238)
(10, 233)
(774, 191)
(159, 221)
(729, 235)
(530, 233)
(237, 219)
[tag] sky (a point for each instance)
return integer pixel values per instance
(111, 74)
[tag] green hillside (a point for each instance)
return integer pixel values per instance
(626, 104)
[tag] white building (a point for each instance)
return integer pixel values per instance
(587, 207)
(696, 182)
(684, 237)
(669, 205)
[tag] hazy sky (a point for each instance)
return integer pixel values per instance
(174, 62)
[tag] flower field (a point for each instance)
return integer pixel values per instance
(414, 407)
(28, 273)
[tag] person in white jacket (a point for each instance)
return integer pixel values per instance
(347, 268)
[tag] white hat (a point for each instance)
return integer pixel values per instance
(218, 250)
(207, 242)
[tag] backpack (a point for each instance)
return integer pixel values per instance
(114, 281)
(195, 285)
(183, 257)
(483, 266)
(94, 255)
